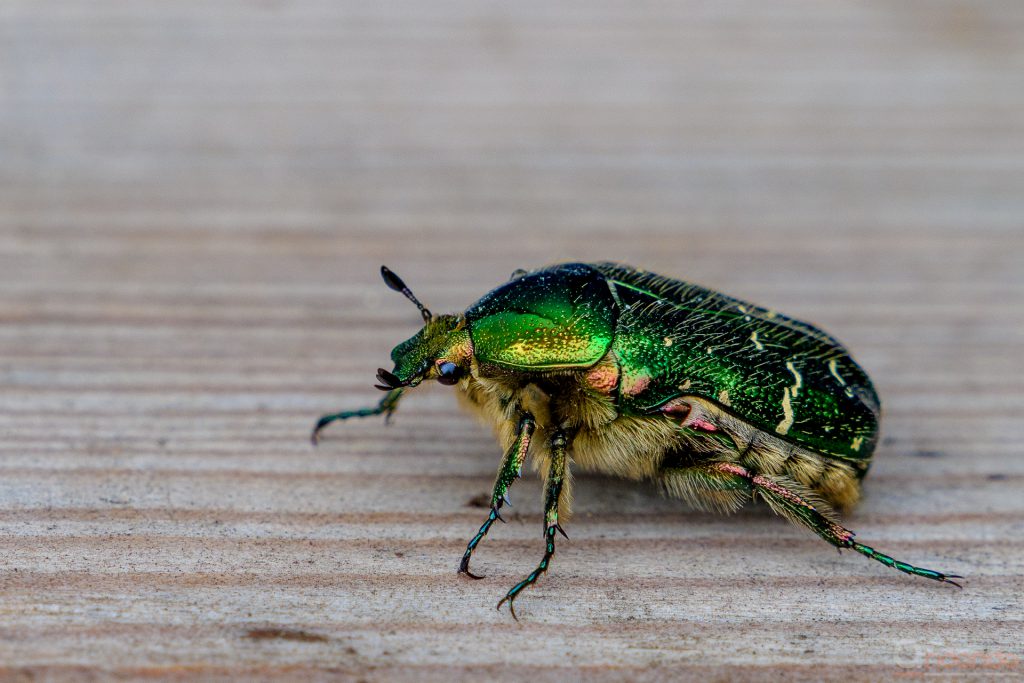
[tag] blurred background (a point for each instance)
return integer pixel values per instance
(195, 199)
(541, 127)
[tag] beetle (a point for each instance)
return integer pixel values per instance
(640, 376)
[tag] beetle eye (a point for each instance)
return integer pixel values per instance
(448, 373)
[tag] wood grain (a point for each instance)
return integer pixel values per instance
(194, 201)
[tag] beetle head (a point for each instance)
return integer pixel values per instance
(442, 350)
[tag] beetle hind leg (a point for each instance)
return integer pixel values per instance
(904, 567)
(387, 405)
(706, 488)
(725, 486)
(787, 499)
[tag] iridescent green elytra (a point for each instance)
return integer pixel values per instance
(633, 374)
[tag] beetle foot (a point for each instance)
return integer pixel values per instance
(531, 578)
(314, 438)
(386, 406)
(471, 575)
(464, 568)
(904, 567)
(510, 598)
(475, 541)
(948, 578)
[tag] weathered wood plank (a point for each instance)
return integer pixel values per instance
(194, 199)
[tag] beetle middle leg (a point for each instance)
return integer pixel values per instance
(511, 469)
(387, 405)
(556, 476)
(786, 499)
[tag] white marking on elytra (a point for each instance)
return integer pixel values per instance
(799, 379)
(788, 394)
(723, 397)
(684, 386)
(668, 341)
(787, 412)
(757, 345)
(835, 372)
(855, 444)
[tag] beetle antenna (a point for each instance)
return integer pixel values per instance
(388, 381)
(395, 283)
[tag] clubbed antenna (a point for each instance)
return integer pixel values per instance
(395, 283)
(388, 381)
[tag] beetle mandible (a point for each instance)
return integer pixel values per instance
(640, 376)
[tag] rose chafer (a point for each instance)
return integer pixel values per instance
(644, 377)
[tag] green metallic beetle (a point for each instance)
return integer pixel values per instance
(648, 378)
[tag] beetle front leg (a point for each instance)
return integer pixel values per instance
(386, 406)
(556, 475)
(510, 470)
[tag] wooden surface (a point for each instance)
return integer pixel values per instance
(195, 198)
